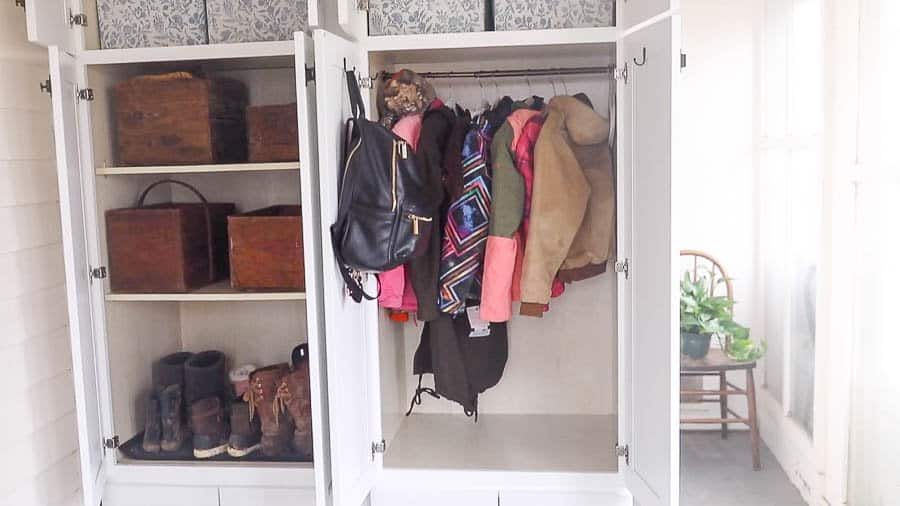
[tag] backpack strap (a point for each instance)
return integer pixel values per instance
(354, 285)
(356, 101)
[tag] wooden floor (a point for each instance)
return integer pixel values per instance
(562, 443)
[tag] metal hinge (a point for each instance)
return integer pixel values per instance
(111, 443)
(97, 273)
(77, 19)
(86, 94)
(310, 74)
(622, 451)
(683, 60)
(621, 74)
(378, 447)
(47, 87)
(624, 267)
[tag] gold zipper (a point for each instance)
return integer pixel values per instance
(415, 222)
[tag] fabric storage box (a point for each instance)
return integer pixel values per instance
(151, 23)
(167, 247)
(398, 17)
(266, 249)
(548, 14)
(272, 133)
(255, 20)
(180, 119)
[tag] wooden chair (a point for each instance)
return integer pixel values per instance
(717, 363)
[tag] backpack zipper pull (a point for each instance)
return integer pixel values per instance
(415, 222)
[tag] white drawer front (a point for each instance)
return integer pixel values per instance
(435, 498)
(562, 499)
(266, 497)
(151, 495)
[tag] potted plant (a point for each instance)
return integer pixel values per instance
(704, 316)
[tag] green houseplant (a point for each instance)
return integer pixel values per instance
(704, 316)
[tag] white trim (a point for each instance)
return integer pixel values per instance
(187, 53)
(483, 40)
(198, 169)
(219, 292)
(201, 474)
(406, 479)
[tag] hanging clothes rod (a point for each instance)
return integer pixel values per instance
(486, 74)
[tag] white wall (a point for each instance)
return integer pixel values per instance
(37, 429)
(715, 134)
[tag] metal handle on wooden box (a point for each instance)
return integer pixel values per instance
(209, 228)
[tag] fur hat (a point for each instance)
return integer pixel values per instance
(402, 94)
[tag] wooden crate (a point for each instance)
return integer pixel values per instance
(272, 133)
(179, 119)
(266, 249)
(167, 247)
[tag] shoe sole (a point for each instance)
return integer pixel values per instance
(211, 452)
(238, 453)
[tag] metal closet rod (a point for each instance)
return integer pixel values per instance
(477, 74)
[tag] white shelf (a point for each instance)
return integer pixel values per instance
(205, 52)
(221, 292)
(487, 40)
(198, 169)
(536, 443)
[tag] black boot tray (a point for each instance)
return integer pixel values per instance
(134, 450)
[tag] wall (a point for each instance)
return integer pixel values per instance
(37, 431)
(715, 132)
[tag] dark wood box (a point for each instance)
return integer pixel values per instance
(179, 119)
(167, 247)
(266, 249)
(272, 133)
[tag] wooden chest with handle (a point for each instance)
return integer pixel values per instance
(266, 249)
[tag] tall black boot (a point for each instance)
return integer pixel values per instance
(205, 375)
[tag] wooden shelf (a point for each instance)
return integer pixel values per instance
(198, 169)
(221, 292)
(205, 52)
(488, 40)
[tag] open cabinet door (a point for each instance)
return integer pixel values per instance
(353, 19)
(49, 25)
(312, 258)
(77, 265)
(633, 12)
(351, 329)
(649, 288)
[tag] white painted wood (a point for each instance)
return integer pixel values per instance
(649, 297)
(315, 14)
(197, 169)
(312, 237)
(532, 498)
(78, 286)
(204, 52)
(352, 20)
(48, 23)
(143, 495)
(433, 498)
(430, 480)
(220, 291)
(213, 474)
(266, 497)
(536, 443)
(485, 41)
(634, 12)
(351, 328)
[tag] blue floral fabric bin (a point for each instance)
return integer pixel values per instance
(151, 23)
(548, 14)
(255, 20)
(398, 17)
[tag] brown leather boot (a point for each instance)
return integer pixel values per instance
(210, 428)
(294, 397)
(276, 425)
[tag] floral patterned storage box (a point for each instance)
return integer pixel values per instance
(151, 23)
(398, 17)
(546, 14)
(255, 20)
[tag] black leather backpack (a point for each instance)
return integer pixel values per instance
(384, 218)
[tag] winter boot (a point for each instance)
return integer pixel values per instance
(245, 431)
(169, 370)
(294, 398)
(210, 428)
(152, 429)
(276, 425)
(174, 430)
(204, 376)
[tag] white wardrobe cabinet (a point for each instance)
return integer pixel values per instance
(587, 410)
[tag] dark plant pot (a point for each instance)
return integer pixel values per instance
(695, 346)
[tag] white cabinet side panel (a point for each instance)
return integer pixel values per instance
(154, 495)
(266, 497)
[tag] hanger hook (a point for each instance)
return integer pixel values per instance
(565, 87)
(528, 82)
(643, 58)
(553, 84)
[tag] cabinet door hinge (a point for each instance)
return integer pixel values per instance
(111, 443)
(77, 19)
(683, 60)
(622, 451)
(97, 273)
(20, 3)
(47, 87)
(378, 447)
(621, 74)
(624, 267)
(310, 74)
(86, 94)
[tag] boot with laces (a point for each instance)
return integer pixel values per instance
(245, 431)
(261, 396)
(294, 398)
